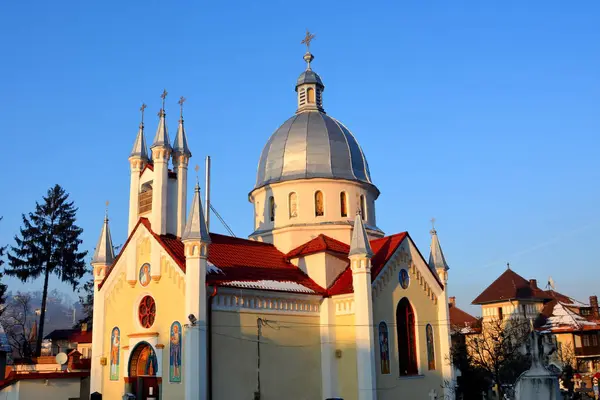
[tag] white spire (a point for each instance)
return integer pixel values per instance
(360, 241)
(180, 144)
(436, 256)
(161, 139)
(195, 228)
(104, 253)
(139, 146)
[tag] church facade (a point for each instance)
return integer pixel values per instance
(318, 303)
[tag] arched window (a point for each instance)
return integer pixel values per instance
(363, 207)
(319, 204)
(310, 95)
(344, 204)
(272, 208)
(407, 345)
(293, 204)
(430, 347)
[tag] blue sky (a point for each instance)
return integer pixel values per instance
(482, 115)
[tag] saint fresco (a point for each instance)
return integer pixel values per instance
(115, 344)
(175, 353)
(145, 275)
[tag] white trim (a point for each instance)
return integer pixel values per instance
(344, 305)
(247, 300)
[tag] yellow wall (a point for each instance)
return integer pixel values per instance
(345, 341)
(392, 386)
(289, 356)
(121, 311)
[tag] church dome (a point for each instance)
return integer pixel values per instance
(312, 144)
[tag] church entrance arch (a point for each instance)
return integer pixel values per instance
(142, 369)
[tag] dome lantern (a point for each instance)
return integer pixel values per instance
(309, 85)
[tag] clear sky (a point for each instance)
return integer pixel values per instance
(482, 115)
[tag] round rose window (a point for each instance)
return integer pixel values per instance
(147, 311)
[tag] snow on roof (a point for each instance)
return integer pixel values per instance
(212, 268)
(563, 316)
(271, 285)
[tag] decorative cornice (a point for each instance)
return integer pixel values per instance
(160, 346)
(267, 302)
(344, 305)
(132, 282)
(143, 334)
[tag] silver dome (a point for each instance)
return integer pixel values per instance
(312, 145)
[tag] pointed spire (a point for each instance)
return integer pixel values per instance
(360, 241)
(139, 146)
(161, 139)
(180, 144)
(436, 256)
(104, 253)
(195, 228)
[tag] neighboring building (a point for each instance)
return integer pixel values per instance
(319, 302)
(575, 325)
(461, 322)
(65, 340)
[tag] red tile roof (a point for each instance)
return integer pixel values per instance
(383, 249)
(460, 318)
(511, 286)
(239, 259)
(319, 244)
(72, 335)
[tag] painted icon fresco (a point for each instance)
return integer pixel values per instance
(115, 345)
(384, 348)
(175, 353)
(430, 347)
(404, 278)
(145, 274)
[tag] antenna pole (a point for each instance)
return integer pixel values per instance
(207, 194)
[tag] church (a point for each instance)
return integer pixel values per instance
(317, 303)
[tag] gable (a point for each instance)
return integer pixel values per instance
(511, 286)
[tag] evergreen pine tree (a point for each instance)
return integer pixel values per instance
(48, 244)
(86, 299)
(2, 286)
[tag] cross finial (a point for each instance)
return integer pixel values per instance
(309, 37)
(142, 108)
(432, 231)
(163, 96)
(197, 168)
(180, 102)
(106, 211)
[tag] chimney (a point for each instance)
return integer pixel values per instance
(533, 283)
(452, 301)
(594, 305)
(84, 327)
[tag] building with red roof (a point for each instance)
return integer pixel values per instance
(574, 324)
(318, 301)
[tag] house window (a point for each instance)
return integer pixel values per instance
(319, 204)
(363, 207)
(430, 347)
(272, 208)
(407, 346)
(310, 95)
(586, 341)
(293, 205)
(344, 204)
(594, 340)
(500, 315)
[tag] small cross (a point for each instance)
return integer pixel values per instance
(433, 223)
(163, 96)
(307, 39)
(197, 168)
(106, 211)
(180, 102)
(142, 108)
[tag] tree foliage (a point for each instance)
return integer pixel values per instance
(18, 321)
(86, 299)
(2, 285)
(495, 356)
(48, 244)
